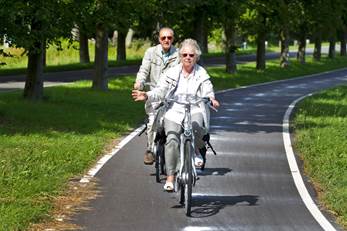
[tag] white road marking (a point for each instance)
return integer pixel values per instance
(299, 183)
(94, 170)
(198, 228)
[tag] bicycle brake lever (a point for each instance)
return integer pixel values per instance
(213, 108)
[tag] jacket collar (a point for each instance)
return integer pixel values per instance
(198, 71)
(159, 51)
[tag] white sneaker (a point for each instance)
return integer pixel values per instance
(198, 161)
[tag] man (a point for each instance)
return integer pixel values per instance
(156, 61)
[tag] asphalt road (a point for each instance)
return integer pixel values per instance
(247, 186)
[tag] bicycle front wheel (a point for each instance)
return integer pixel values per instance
(188, 151)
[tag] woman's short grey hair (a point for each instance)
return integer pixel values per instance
(193, 44)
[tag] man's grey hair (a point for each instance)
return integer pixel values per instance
(193, 44)
(167, 28)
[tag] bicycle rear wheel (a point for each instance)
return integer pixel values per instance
(182, 191)
(162, 157)
(159, 149)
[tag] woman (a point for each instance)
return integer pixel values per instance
(185, 78)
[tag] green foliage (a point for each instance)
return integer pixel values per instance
(27, 22)
(320, 127)
(258, 17)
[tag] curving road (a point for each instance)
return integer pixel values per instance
(247, 186)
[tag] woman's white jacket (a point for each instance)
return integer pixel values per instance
(202, 87)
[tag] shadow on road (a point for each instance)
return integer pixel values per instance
(206, 206)
(214, 171)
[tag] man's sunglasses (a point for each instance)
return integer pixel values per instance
(190, 55)
(166, 37)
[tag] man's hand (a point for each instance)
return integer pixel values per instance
(139, 95)
(137, 85)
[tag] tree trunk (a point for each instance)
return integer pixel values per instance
(284, 40)
(44, 55)
(332, 44)
(84, 51)
(101, 59)
(230, 49)
(317, 53)
(121, 50)
(261, 50)
(343, 43)
(200, 30)
(301, 55)
(33, 89)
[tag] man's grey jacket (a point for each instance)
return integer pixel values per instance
(153, 65)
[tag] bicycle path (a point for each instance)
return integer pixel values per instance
(247, 186)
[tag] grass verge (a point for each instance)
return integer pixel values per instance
(320, 125)
(45, 144)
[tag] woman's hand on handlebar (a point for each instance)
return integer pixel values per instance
(215, 103)
(139, 95)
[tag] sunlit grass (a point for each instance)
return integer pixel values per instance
(321, 140)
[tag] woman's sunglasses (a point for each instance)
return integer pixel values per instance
(190, 55)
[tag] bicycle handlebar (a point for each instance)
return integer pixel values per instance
(187, 99)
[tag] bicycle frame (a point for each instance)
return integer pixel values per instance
(187, 175)
(187, 135)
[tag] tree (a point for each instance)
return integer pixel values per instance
(103, 14)
(343, 30)
(343, 37)
(189, 19)
(335, 6)
(283, 26)
(229, 12)
(201, 23)
(319, 16)
(85, 25)
(300, 8)
(128, 14)
(100, 81)
(318, 28)
(257, 21)
(31, 24)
